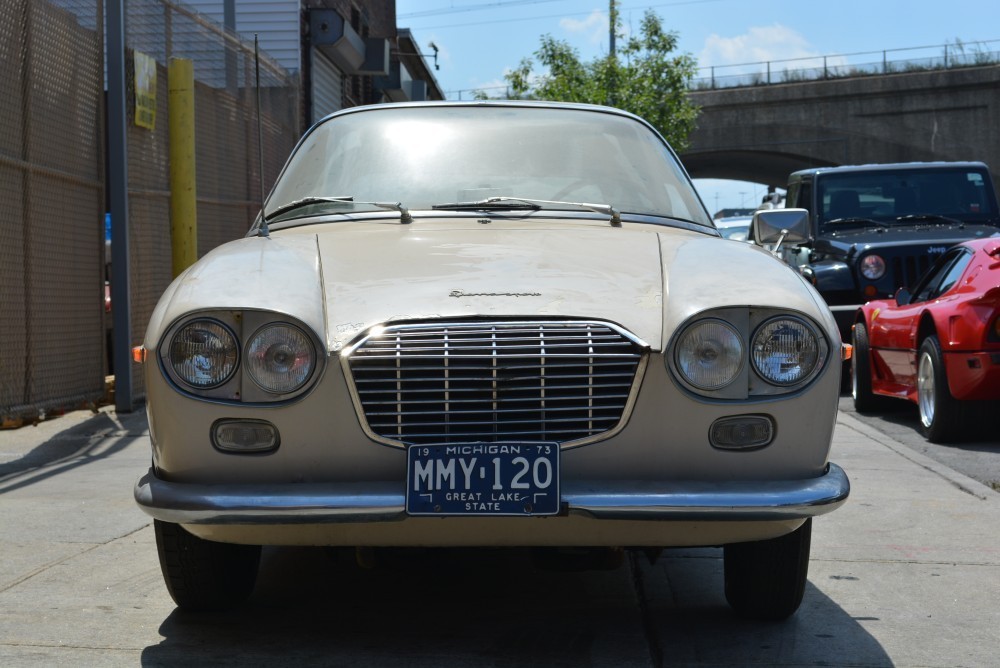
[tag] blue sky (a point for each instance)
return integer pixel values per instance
(480, 40)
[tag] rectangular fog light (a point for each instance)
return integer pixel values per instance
(741, 432)
(245, 436)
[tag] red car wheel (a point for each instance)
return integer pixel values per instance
(942, 417)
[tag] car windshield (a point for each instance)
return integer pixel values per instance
(426, 156)
(895, 198)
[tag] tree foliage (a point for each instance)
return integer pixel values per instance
(643, 76)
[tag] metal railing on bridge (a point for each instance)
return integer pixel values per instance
(865, 63)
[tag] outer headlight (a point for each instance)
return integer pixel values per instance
(280, 358)
(709, 354)
(203, 353)
(785, 351)
(872, 267)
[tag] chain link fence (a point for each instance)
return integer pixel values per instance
(52, 177)
(52, 187)
(228, 169)
(866, 63)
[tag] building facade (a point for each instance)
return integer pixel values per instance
(346, 52)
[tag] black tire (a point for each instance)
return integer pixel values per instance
(766, 579)
(943, 418)
(865, 400)
(202, 574)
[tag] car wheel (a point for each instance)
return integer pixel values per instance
(766, 579)
(865, 400)
(942, 417)
(202, 574)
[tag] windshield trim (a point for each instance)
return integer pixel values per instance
(677, 165)
(425, 215)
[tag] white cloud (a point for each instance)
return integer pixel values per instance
(594, 27)
(758, 44)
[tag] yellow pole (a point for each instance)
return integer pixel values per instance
(183, 194)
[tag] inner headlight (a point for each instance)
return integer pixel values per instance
(785, 351)
(203, 354)
(872, 267)
(280, 358)
(709, 354)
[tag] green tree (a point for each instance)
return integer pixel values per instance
(644, 76)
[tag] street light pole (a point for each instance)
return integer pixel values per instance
(612, 21)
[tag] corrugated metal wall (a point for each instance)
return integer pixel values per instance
(327, 87)
(276, 22)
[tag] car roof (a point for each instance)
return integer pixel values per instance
(893, 166)
(535, 104)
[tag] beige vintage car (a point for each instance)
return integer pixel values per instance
(490, 324)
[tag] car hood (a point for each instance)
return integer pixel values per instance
(907, 235)
(378, 274)
(344, 278)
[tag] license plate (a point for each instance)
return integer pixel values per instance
(483, 479)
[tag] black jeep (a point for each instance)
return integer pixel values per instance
(876, 228)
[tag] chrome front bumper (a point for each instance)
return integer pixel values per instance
(318, 503)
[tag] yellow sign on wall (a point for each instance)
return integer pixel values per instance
(145, 90)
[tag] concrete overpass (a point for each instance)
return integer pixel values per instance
(762, 133)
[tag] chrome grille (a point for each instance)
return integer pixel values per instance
(567, 382)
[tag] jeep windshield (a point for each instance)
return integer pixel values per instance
(437, 158)
(945, 196)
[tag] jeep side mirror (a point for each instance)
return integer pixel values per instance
(903, 297)
(778, 226)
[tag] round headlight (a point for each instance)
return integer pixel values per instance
(872, 267)
(785, 351)
(709, 354)
(203, 354)
(280, 358)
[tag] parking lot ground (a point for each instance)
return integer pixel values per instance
(907, 573)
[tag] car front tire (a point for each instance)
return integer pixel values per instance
(865, 400)
(202, 574)
(942, 417)
(766, 579)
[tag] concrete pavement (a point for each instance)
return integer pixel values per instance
(907, 573)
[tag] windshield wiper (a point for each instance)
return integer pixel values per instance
(404, 214)
(929, 217)
(533, 204)
(492, 203)
(856, 220)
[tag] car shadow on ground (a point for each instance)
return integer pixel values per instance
(497, 607)
(901, 414)
(93, 439)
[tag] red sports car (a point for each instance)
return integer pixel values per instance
(938, 346)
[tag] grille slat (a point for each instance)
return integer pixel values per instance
(457, 414)
(373, 400)
(907, 270)
(479, 382)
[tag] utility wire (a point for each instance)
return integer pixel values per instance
(473, 8)
(547, 16)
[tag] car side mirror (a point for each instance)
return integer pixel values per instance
(903, 297)
(778, 226)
